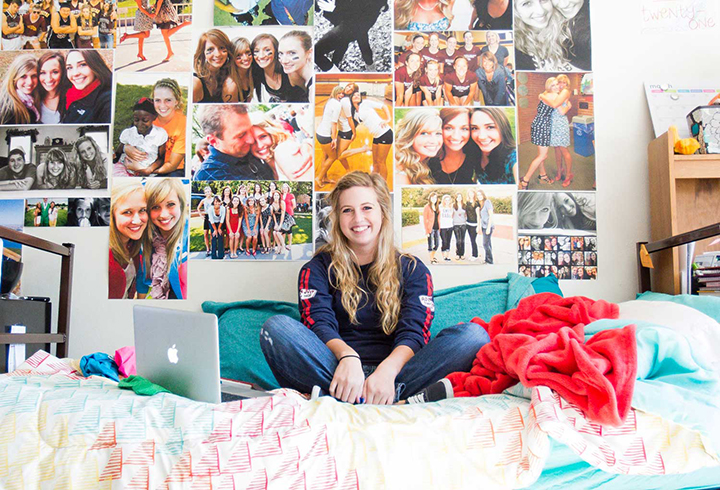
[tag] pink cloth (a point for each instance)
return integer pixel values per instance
(541, 342)
(125, 360)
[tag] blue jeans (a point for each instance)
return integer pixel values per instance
(299, 359)
(433, 240)
(106, 40)
(218, 245)
(487, 244)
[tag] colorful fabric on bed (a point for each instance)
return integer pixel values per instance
(541, 343)
(60, 430)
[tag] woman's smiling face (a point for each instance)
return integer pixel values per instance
(50, 74)
(215, 55)
(263, 143)
(535, 13)
(565, 204)
(568, 8)
(244, 59)
(131, 216)
(429, 139)
(291, 54)
(264, 53)
(86, 150)
(166, 214)
(78, 71)
(456, 132)
(26, 82)
(164, 101)
(485, 132)
(55, 167)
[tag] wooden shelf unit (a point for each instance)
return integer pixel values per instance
(684, 196)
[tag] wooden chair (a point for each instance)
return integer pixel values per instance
(66, 251)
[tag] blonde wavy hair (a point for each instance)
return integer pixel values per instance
(156, 191)
(385, 274)
(546, 44)
(406, 158)
(12, 108)
(120, 192)
(404, 10)
(274, 129)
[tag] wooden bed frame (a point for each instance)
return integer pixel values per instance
(66, 251)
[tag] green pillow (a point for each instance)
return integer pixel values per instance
(710, 305)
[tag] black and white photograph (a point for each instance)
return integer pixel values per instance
(556, 211)
(88, 211)
(353, 36)
(552, 35)
(54, 157)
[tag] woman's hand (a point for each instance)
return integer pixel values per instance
(347, 382)
(379, 387)
(133, 154)
(294, 159)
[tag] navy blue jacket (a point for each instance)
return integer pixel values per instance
(221, 166)
(322, 311)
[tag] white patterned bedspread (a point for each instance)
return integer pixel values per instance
(59, 430)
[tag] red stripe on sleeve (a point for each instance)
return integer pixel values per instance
(304, 281)
(428, 311)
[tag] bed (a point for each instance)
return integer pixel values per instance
(59, 429)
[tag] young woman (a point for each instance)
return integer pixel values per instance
(577, 21)
(52, 88)
(560, 130)
(243, 63)
(37, 212)
(490, 130)
(87, 29)
(492, 80)
(487, 225)
(365, 112)
(491, 14)
(455, 162)
(233, 216)
(536, 210)
(203, 210)
(88, 100)
(216, 217)
(472, 210)
(272, 187)
(326, 133)
(164, 15)
(257, 192)
(445, 222)
(575, 211)
(495, 48)
(271, 82)
(423, 15)
(407, 82)
(290, 204)
(106, 25)
(55, 172)
(226, 196)
(215, 78)
(461, 84)
(367, 309)
(53, 213)
(540, 37)
(282, 221)
(296, 57)
(92, 170)
(276, 147)
(431, 215)
(128, 220)
(449, 56)
(470, 51)
(165, 245)
(431, 85)
(540, 134)
(459, 226)
(419, 138)
(17, 97)
(264, 224)
(250, 224)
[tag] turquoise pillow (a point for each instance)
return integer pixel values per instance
(710, 305)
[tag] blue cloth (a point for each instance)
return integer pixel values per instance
(300, 360)
(322, 311)
(99, 364)
(221, 166)
(291, 12)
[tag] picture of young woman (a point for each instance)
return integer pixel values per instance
(407, 82)
(216, 217)
(560, 130)
(128, 220)
(53, 87)
(37, 213)
(203, 210)
(282, 221)
(460, 86)
(280, 150)
(540, 133)
(270, 81)
(431, 223)
(541, 37)
(419, 138)
(243, 63)
(459, 226)
(107, 22)
(445, 223)
(165, 243)
(215, 76)
(290, 203)
(487, 225)
(91, 162)
(87, 28)
(88, 100)
(492, 81)
(490, 130)
(327, 134)
(17, 90)
(431, 84)
(364, 111)
(575, 211)
(491, 14)
(250, 225)
(55, 172)
(536, 210)
(53, 214)
(577, 20)
(295, 54)
(452, 165)
(472, 211)
(264, 223)
(433, 52)
(233, 216)
(162, 14)
(356, 269)
(421, 15)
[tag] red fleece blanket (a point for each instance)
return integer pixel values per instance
(541, 342)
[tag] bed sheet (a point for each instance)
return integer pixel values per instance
(61, 430)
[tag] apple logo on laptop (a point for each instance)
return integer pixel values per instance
(172, 354)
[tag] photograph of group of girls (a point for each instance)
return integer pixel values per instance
(455, 145)
(258, 12)
(253, 64)
(568, 257)
(149, 137)
(54, 157)
(552, 35)
(556, 131)
(56, 87)
(353, 127)
(142, 48)
(59, 212)
(251, 220)
(353, 35)
(454, 68)
(42, 24)
(416, 15)
(556, 210)
(148, 239)
(459, 224)
(256, 141)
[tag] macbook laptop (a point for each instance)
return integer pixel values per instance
(179, 351)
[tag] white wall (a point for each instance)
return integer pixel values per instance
(623, 59)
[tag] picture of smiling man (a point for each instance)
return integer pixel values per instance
(228, 130)
(17, 176)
